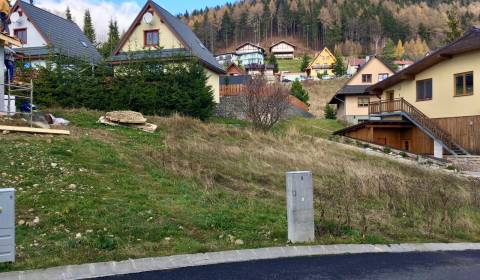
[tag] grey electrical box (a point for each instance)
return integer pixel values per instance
(7, 225)
(300, 214)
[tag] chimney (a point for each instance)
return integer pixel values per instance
(367, 58)
(31, 2)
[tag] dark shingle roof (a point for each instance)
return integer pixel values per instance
(235, 80)
(353, 90)
(61, 34)
(189, 38)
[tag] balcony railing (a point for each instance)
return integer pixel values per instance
(402, 106)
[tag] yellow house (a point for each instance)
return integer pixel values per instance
(155, 33)
(321, 65)
(431, 107)
(353, 98)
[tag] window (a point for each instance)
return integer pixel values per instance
(151, 38)
(464, 84)
(21, 35)
(424, 90)
(363, 101)
(366, 78)
(382, 76)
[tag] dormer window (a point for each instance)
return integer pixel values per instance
(21, 35)
(151, 38)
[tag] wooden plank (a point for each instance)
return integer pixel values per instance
(34, 130)
(9, 40)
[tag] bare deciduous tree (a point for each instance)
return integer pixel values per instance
(265, 103)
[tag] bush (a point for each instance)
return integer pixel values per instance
(329, 113)
(299, 92)
(265, 103)
(150, 87)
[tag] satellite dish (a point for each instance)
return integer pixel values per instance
(148, 17)
(14, 17)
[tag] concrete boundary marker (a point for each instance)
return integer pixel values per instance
(94, 270)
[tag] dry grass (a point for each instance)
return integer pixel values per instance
(321, 92)
(198, 182)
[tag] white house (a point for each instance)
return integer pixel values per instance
(43, 34)
(283, 50)
(249, 53)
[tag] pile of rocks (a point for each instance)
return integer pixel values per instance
(129, 119)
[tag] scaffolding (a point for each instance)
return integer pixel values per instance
(18, 92)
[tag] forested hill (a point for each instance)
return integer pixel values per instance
(355, 27)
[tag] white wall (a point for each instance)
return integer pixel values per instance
(34, 38)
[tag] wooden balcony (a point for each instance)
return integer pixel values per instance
(401, 106)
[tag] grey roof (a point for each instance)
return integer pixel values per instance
(353, 90)
(140, 55)
(349, 90)
(235, 80)
(35, 51)
(192, 41)
(61, 34)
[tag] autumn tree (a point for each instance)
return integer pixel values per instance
(399, 50)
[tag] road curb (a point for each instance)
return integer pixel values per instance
(93, 270)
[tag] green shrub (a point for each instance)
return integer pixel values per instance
(329, 113)
(299, 92)
(387, 150)
(149, 87)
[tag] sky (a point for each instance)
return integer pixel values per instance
(124, 11)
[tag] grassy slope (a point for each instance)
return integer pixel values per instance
(291, 65)
(194, 187)
(321, 92)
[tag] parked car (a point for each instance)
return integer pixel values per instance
(326, 77)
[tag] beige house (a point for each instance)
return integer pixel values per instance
(322, 65)
(283, 50)
(352, 99)
(155, 33)
(433, 106)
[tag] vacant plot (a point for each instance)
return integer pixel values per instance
(291, 65)
(321, 92)
(113, 193)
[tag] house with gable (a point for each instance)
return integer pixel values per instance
(43, 34)
(249, 53)
(431, 107)
(322, 65)
(283, 50)
(157, 34)
(353, 98)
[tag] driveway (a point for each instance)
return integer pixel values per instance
(435, 265)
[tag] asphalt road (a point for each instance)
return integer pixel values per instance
(438, 266)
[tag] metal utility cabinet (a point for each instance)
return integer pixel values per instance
(300, 207)
(7, 225)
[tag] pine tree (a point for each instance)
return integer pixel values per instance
(455, 30)
(112, 41)
(68, 13)
(88, 27)
(339, 68)
(227, 29)
(388, 54)
(272, 60)
(329, 113)
(305, 61)
(299, 92)
(399, 50)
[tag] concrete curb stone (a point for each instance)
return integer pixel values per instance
(93, 270)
